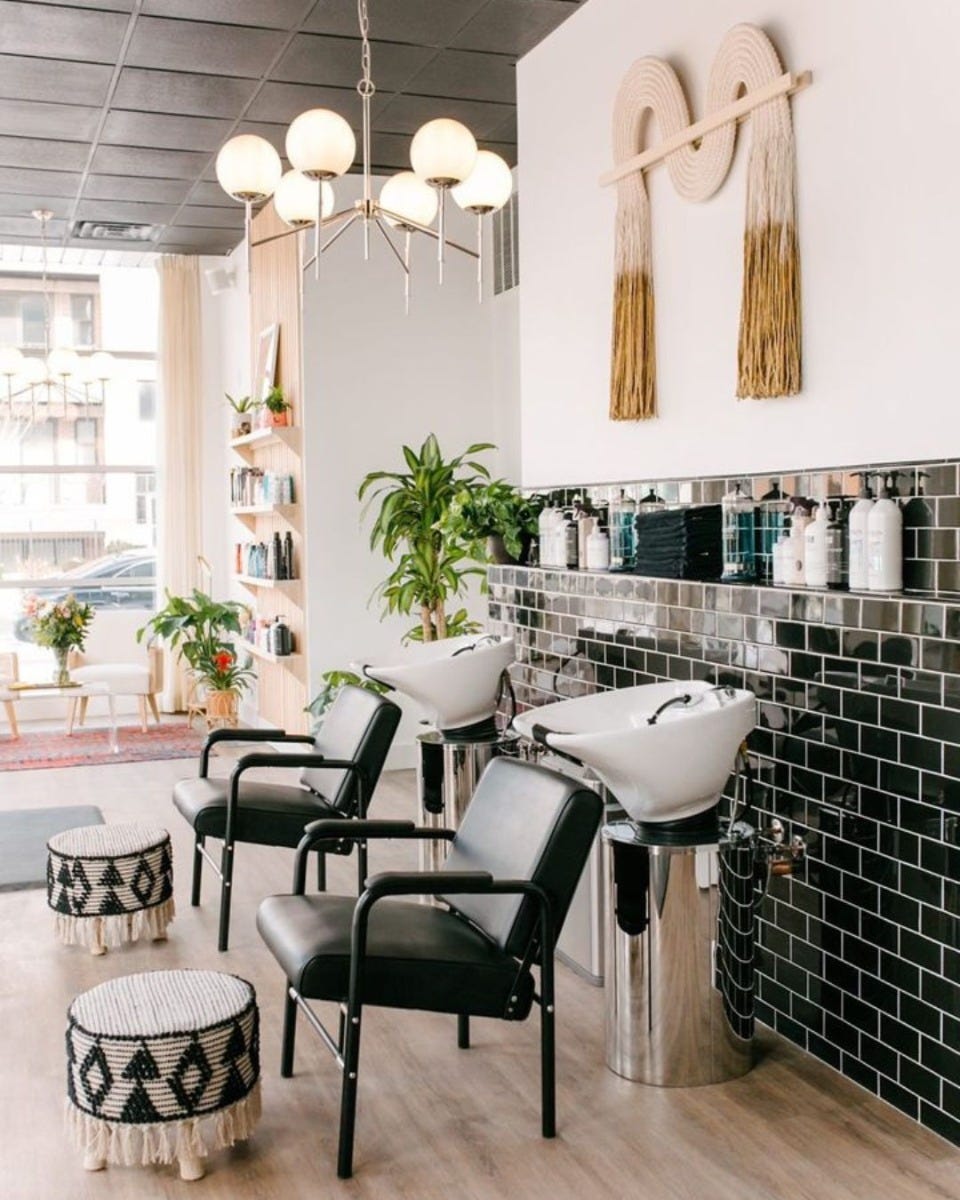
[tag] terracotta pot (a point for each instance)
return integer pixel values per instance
(222, 706)
(277, 420)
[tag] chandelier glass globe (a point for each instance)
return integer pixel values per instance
(406, 196)
(488, 186)
(443, 152)
(296, 199)
(320, 144)
(248, 168)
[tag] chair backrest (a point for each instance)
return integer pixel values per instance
(524, 822)
(358, 727)
(112, 637)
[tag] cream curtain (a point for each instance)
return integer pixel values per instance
(179, 448)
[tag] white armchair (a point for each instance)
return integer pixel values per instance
(112, 655)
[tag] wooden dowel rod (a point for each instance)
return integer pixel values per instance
(785, 85)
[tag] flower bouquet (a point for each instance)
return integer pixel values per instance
(62, 625)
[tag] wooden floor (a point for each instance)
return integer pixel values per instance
(434, 1122)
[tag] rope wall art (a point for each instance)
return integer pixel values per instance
(746, 77)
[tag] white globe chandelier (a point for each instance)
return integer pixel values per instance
(321, 147)
(34, 384)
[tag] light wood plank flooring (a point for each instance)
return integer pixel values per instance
(434, 1122)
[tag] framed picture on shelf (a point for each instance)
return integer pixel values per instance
(266, 372)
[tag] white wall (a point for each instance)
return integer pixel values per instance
(225, 320)
(877, 181)
(375, 379)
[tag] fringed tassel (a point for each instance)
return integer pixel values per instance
(162, 1142)
(115, 930)
(768, 356)
(633, 376)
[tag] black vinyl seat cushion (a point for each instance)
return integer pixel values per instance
(418, 957)
(270, 814)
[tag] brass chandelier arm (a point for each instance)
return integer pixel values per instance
(331, 220)
(406, 221)
(329, 242)
(389, 240)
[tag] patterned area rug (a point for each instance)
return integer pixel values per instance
(89, 748)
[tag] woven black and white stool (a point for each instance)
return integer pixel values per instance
(159, 1064)
(110, 884)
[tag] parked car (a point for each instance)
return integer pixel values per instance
(124, 580)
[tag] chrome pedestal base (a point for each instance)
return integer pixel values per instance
(679, 953)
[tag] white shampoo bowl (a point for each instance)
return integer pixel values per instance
(456, 680)
(668, 771)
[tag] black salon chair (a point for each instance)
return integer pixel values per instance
(338, 775)
(506, 885)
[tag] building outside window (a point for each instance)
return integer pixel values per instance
(78, 505)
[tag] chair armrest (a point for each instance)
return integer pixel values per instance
(246, 735)
(9, 667)
(354, 829)
(426, 883)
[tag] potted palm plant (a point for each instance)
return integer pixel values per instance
(496, 521)
(431, 567)
(199, 630)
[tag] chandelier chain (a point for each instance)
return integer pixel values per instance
(366, 86)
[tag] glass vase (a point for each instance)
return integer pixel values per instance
(61, 674)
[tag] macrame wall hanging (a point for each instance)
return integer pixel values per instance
(746, 78)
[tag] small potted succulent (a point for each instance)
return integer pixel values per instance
(495, 521)
(244, 412)
(276, 408)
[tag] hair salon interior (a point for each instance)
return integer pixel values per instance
(479, 599)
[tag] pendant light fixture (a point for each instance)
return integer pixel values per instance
(321, 147)
(61, 371)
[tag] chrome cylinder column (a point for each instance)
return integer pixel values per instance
(678, 957)
(448, 771)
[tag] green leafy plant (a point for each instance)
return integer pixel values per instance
(276, 401)
(332, 682)
(432, 567)
(198, 629)
(497, 509)
(242, 405)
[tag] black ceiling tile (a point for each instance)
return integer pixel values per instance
(28, 183)
(182, 92)
(335, 62)
(15, 204)
(467, 74)
(421, 22)
(210, 192)
(46, 79)
(405, 114)
(203, 241)
(202, 47)
(54, 31)
(284, 101)
(210, 217)
(506, 150)
(45, 155)
(62, 122)
(27, 227)
(132, 187)
(390, 151)
(507, 130)
(274, 14)
(121, 6)
(120, 210)
(138, 160)
(512, 26)
(163, 131)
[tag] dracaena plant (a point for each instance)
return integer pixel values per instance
(431, 567)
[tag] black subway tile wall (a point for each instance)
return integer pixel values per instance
(858, 748)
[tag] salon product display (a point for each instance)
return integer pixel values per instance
(266, 560)
(251, 487)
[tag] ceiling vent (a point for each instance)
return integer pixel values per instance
(114, 231)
